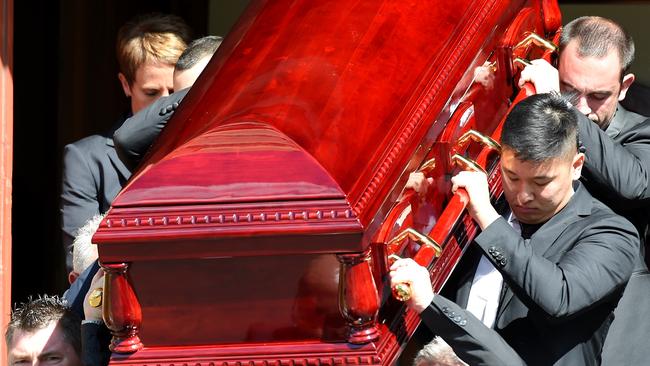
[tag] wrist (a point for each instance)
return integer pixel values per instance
(486, 217)
(91, 321)
(424, 303)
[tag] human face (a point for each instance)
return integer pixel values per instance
(152, 81)
(186, 78)
(43, 347)
(596, 81)
(537, 191)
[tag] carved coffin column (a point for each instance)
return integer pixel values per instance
(122, 313)
(358, 297)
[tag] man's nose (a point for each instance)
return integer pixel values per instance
(583, 106)
(524, 196)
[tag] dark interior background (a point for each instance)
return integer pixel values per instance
(66, 88)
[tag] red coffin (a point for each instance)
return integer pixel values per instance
(258, 230)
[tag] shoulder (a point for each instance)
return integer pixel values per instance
(631, 119)
(91, 149)
(88, 143)
(593, 212)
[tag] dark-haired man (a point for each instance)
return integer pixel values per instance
(540, 283)
(595, 58)
(135, 136)
(44, 332)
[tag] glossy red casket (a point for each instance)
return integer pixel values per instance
(256, 232)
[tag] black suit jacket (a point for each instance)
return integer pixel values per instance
(96, 168)
(617, 171)
(93, 174)
(561, 289)
(136, 135)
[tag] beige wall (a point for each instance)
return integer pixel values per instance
(635, 17)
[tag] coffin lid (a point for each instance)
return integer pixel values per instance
(317, 108)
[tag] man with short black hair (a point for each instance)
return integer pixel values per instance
(44, 331)
(595, 58)
(540, 283)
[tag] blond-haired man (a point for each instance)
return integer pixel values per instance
(147, 49)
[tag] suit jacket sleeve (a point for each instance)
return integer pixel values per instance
(135, 136)
(95, 339)
(79, 193)
(596, 266)
(471, 340)
(623, 168)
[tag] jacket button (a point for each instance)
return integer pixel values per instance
(445, 309)
(503, 262)
(463, 322)
(452, 314)
(175, 105)
(457, 318)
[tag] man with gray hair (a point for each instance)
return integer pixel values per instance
(594, 64)
(437, 353)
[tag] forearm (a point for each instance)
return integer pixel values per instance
(590, 269)
(95, 339)
(471, 340)
(623, 169)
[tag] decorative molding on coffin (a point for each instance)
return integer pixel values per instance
(441, 79)
(282, 354)
(232, 218)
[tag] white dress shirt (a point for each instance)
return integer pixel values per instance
(484, 294)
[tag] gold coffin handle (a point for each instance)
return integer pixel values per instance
(402, 291)
(427, 167)
(537, 40)
(467, 163)
(521, 62)
(474, 135)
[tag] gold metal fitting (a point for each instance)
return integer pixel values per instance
(521, 62)
(537, 40)
(95, 297)
(428, 166)
(466, 163)
(402, 291)
(415, 236)
(474, 135)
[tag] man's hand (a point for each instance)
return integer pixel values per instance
(91, 312)
(419, 183)
(542, 75)
(479, 206)
(406, 271)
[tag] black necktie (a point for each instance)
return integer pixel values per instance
(527, 230)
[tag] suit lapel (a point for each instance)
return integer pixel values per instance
(544, 239)
(116, 161)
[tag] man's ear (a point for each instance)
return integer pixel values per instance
(578, 162)
(125, 84)
(72, 276)
(625, 85)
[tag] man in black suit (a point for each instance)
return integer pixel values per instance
(545, 277)
(595, 57)
(147, 49)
